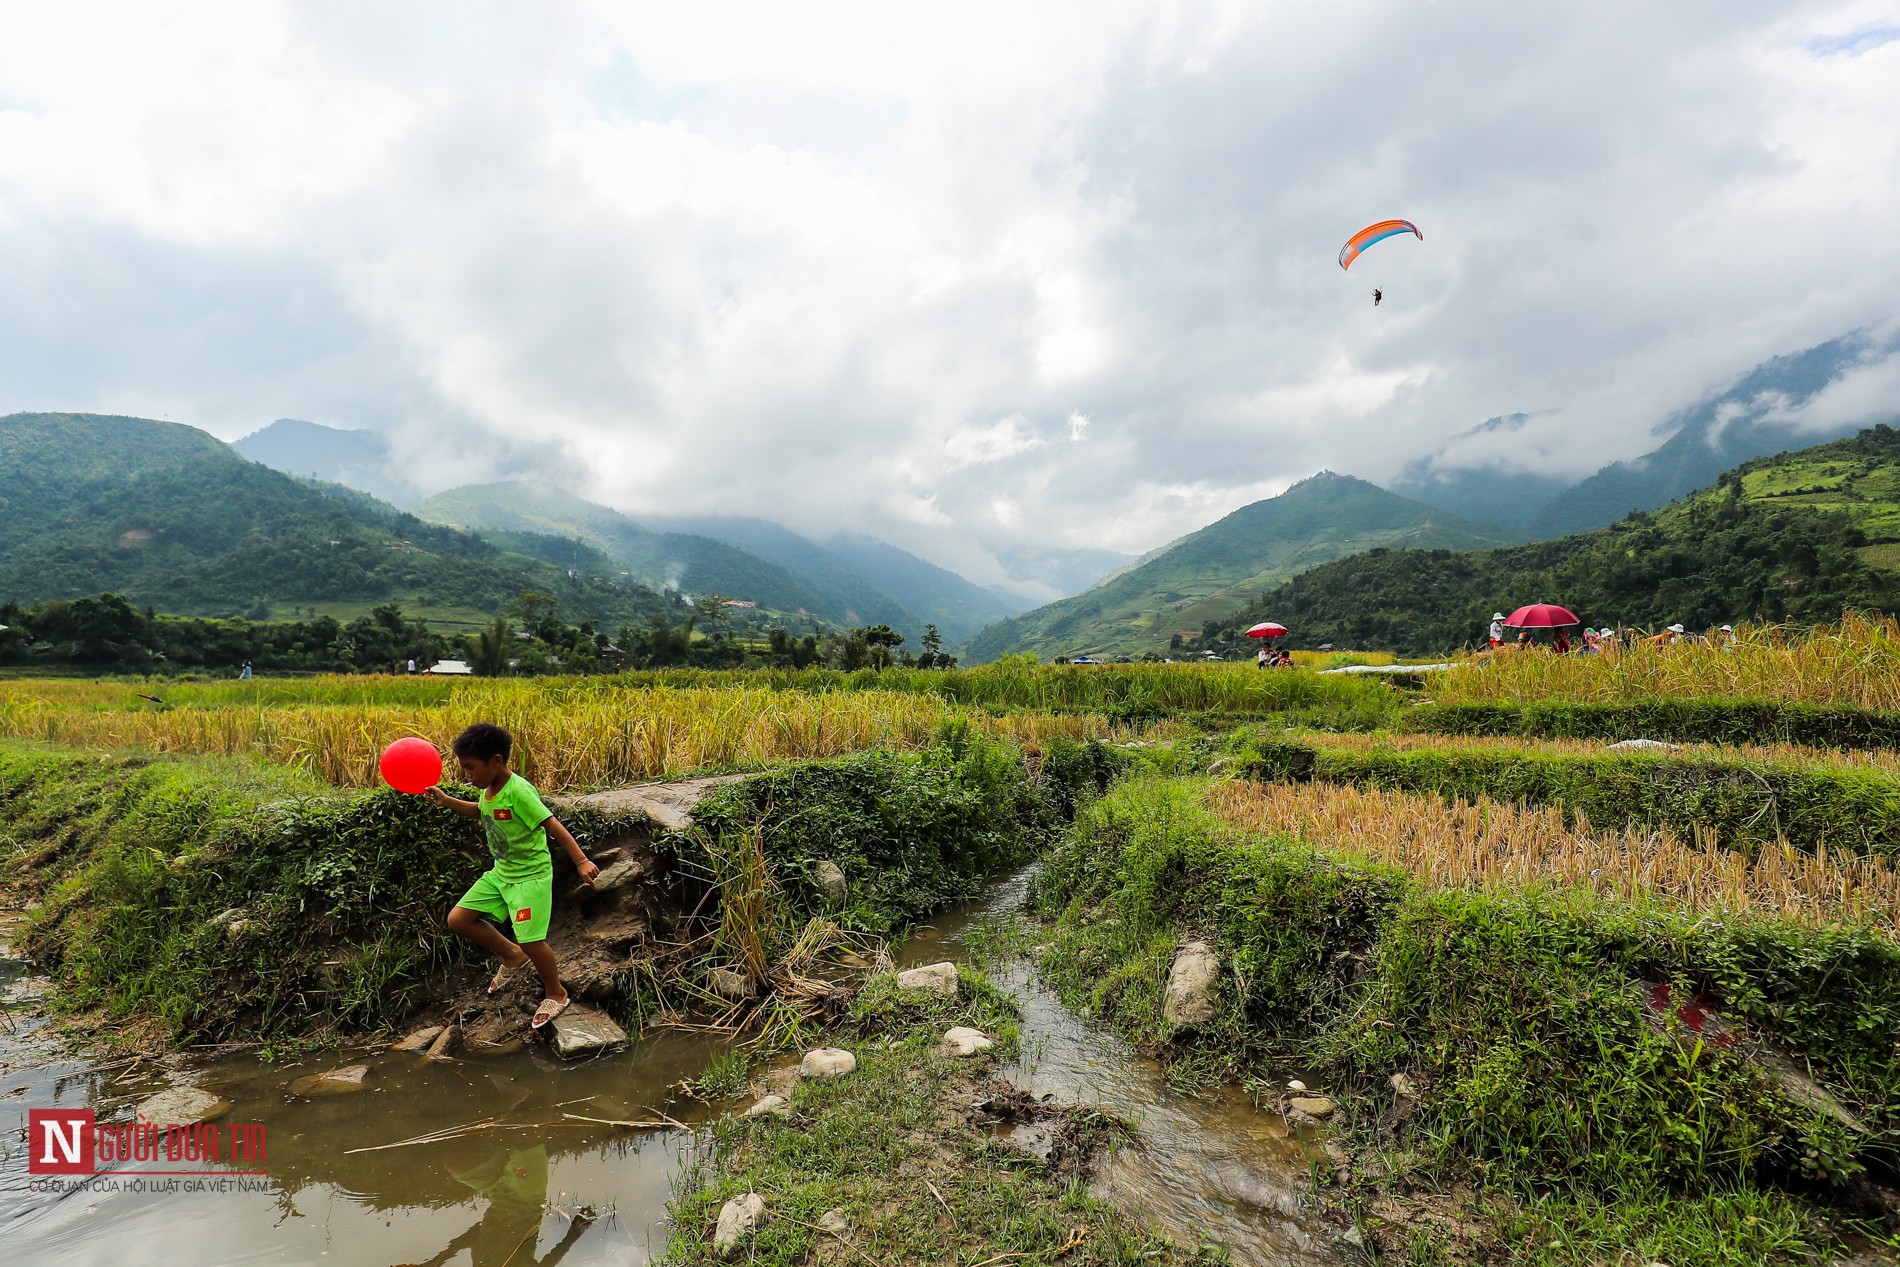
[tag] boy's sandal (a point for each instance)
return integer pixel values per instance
(505, 974)
(549, 1009)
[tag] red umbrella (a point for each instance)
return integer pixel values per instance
(1541, 616)
(1266, 629)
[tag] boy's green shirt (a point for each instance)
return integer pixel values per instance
(515, 821)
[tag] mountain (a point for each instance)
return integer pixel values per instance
(1063, 570)
(680, 561)
(938, 595)
(1798, 536)
(1486, 495)
(1210, 574)
(355, 459)
(171, 517)
(857, 599)
(1756, 417)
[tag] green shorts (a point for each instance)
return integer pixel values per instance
(526, 904)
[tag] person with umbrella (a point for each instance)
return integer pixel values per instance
(1542, 616)
(1266, 631)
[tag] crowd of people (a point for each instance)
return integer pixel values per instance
(1593, 641)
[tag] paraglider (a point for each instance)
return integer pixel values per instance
(1377, 295)
(1358, 242)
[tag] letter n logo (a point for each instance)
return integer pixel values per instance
(59, 1141)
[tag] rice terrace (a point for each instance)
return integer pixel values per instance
(1457, 973)
(1087, 634)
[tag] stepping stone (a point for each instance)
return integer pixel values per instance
(181, 1106)
(332, 1081)
(584, 1031)
(938, 978)
(961, 1042)
(420, 1040)
(826, 1062)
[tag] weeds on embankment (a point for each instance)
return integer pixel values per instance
(1682, 721)
(1524, 1016)
(141, 869)
(1856, 662)
(1848, 802)
(1491, 843)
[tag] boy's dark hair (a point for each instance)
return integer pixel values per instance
(484, 741)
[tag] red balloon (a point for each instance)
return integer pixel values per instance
(411, 765)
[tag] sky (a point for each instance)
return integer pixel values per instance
(971, 278)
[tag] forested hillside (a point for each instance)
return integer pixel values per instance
(169, 517)
(1797, 537)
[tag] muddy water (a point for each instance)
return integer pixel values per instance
(517, 1191)
(1212, 1166)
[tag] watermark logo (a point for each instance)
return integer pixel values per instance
(60, 1141)
(75, 1142)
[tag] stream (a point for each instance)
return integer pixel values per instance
(1213, 1166)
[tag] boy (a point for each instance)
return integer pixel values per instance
(519, 887)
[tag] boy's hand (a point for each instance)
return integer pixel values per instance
(436, 795)
(588, 871)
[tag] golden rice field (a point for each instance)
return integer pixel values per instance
(1466, 844)
(1856, 662)
(1873, 760)
(574, 738)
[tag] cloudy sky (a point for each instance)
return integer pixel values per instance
(965, 276)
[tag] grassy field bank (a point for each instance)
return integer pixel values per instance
(888, 1147)
(128, 861)
(1540, 1071)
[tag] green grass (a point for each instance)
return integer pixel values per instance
(1521, 1012)
(875, 1144)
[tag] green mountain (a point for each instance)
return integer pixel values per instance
(1209, 575)
(957, 607)
(172, 518)
(1798, 537)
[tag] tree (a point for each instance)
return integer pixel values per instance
(491, 648)
(712, 610)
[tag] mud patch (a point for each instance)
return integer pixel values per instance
(1065, 1138)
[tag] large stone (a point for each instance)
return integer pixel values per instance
(738, 1219)
(771, 1105)
(420, 1040)
(332, 1081)
(729, 983)
(826, 1062)
(181, 1106)
(835, 1221)
(615, 876)
(1189, 1000)
(938, 978)
(960, 1041)
(1314, 1106)
(831, 879)
(445, 1043)
(584, 1031)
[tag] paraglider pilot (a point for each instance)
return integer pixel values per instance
(1377, 295)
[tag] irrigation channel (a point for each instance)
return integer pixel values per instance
(1213, 1167)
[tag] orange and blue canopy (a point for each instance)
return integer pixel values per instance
(1358, 242)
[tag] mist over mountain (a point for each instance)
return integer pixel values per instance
(355, 459)
(1788, 402)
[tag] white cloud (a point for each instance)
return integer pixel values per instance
(856, 266)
